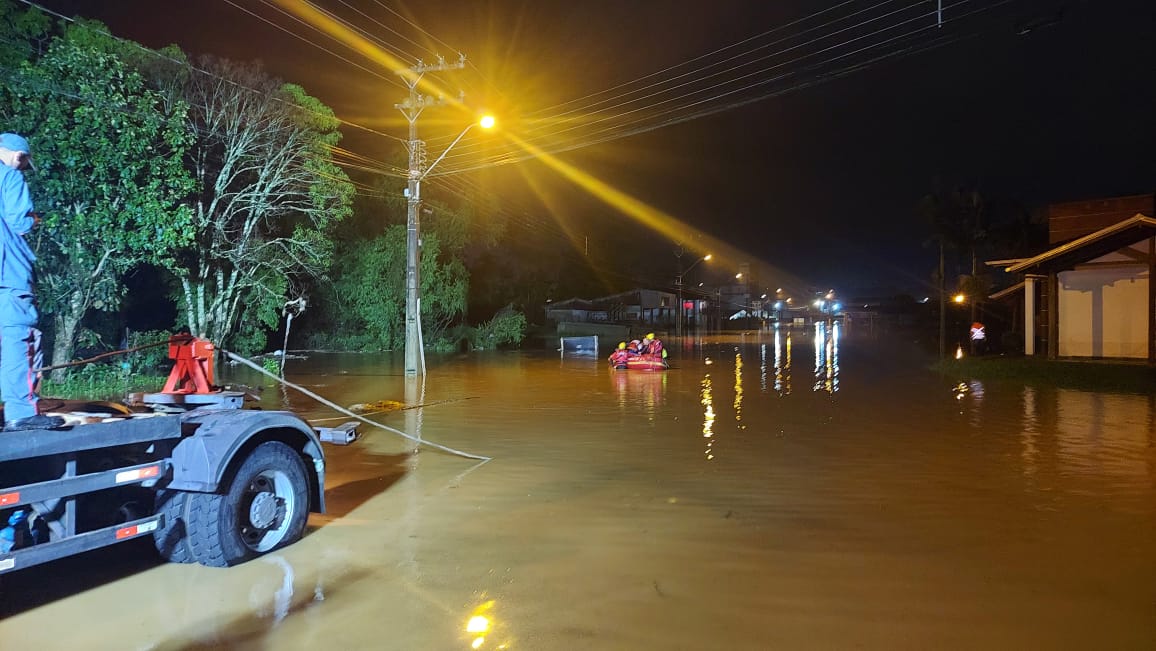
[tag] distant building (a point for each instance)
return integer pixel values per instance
(1092, 295)
(637, 308)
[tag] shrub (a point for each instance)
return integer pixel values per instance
(149, 359)
(507, 327)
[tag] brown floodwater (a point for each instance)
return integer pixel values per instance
(767, 492)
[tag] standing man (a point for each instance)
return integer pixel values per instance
(20, 354)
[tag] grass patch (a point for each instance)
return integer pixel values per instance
(100, 382)
(1115, 377)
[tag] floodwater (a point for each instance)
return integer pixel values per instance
(764, 493)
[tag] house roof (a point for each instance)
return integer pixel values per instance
(645, 298)
(1093, 245)
(572, 304)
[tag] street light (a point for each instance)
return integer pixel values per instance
(678, 285)
(414, 349)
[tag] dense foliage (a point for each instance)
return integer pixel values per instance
(218, 181)
(367, 302)
(268, 194)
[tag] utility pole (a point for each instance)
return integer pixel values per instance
(678, 286)
(411, 108)
(942, 307)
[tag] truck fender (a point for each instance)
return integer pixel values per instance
(220, 438)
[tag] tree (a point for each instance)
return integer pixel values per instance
(110, 175)
(367, 301)
(956, 219)
(268, 193)
(24, 35)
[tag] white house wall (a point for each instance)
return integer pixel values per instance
(1103, 312)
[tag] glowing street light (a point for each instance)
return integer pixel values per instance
(959, 298)
(414, 352)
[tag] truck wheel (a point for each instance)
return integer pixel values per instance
(264, 508)
(172, 539)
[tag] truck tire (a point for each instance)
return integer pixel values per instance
(171, 540)
(263, 508)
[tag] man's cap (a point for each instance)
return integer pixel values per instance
(15, 142)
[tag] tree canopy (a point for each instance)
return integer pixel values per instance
(110, 179)
(268, 193)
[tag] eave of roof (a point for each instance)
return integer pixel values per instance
(1004, 293)
(1110, 234)
(1004, 263)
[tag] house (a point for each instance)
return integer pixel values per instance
(647, 308)
(1092, 295)
(576, 310)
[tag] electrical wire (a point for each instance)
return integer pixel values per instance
(332, 405)
(670, 116)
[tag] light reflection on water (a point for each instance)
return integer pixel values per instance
(782, 362)
(763, 368)
(738, 401)
(645, 389)
(826, 357)
(707, 400)
(1106, 436)
(680, 510)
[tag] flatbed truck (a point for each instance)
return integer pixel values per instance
(209, 481)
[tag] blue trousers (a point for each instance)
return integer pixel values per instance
(20, 353)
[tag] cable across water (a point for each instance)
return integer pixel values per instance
(328, 403)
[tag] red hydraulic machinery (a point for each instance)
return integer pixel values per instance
(192, 365)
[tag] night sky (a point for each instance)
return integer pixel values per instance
(813, 175)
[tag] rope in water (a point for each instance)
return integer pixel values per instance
(339, 408)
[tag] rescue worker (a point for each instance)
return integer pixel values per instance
(634, 348)
(644, 345)
(619, 357)
(652, 346)
(20, 353)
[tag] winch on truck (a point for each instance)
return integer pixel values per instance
(210, 482)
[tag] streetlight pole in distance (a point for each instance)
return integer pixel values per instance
(678, 284)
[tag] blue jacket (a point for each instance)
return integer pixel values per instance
(16, 257)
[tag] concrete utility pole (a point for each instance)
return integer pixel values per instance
(411, 108)
(678, 283)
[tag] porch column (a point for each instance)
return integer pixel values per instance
(1053, 315)
(1029, 315)
(1152, 301)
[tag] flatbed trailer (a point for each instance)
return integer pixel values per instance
(211, 483)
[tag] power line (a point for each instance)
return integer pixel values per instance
(190, 66)
(671, 116)
(702, 56)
